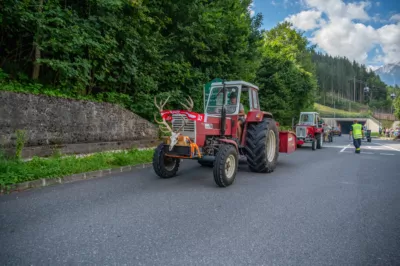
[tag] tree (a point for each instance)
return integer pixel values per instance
(126, 51)
(286, 77)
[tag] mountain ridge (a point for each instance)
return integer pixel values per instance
(389, 73)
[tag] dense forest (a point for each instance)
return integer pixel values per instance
(126, 52)
(346, 80)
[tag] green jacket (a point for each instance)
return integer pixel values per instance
(357, 131)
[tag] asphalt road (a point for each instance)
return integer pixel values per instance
(323, 207)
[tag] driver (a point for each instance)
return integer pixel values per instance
(241, 114)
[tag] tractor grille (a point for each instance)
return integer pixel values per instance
(188, 130)
(301, 132)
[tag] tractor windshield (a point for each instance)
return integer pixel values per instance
(307, 119)
(215, 100)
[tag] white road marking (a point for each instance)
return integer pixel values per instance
(388, 147)
(365, 152)
(331, 146)
(342, 150)
(387, 154)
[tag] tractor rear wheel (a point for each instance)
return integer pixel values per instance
(262, 146)
(226, 165)
(164, 166)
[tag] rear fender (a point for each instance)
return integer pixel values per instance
(255, 116)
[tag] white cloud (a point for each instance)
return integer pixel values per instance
(389, 39)
(395, 17)
(340, 35)
(251, 9)
(338, 9)
(307, 20)
(273, 3)
(378, 3)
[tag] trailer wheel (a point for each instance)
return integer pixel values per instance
(165, 167)
(226, 165)
(319, 141)
(262, 146)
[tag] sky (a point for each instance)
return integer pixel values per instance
(365, 31)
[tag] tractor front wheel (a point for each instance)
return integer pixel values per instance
(225, 165)
(262, 146)
(319, 141)
(164, 166)
(314, 144)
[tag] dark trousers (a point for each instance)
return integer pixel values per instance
(357, 144)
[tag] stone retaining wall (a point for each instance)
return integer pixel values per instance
(72, 126)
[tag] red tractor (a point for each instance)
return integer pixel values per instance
(223, 134)
(310, 130)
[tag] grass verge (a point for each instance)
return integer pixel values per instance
(326, 111)
(17, 171)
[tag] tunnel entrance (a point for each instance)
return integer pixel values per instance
(345, 125)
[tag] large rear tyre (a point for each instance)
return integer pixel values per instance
(225, 165)
(262, 146)
(319, 141)
(165, 167)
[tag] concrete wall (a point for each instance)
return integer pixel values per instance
(70, 123)
(372, 125)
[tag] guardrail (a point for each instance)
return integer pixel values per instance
(384, 116)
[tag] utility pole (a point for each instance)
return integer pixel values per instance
(354, 89)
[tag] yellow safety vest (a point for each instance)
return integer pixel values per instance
(357, 131)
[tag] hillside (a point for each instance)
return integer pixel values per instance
(326, 111)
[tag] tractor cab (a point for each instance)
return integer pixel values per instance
(310, 130)
(236, 93)
(310, 119)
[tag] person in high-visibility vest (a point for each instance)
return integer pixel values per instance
(356, 130)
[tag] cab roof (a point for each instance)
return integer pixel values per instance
(236, 82)
(309, 113)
